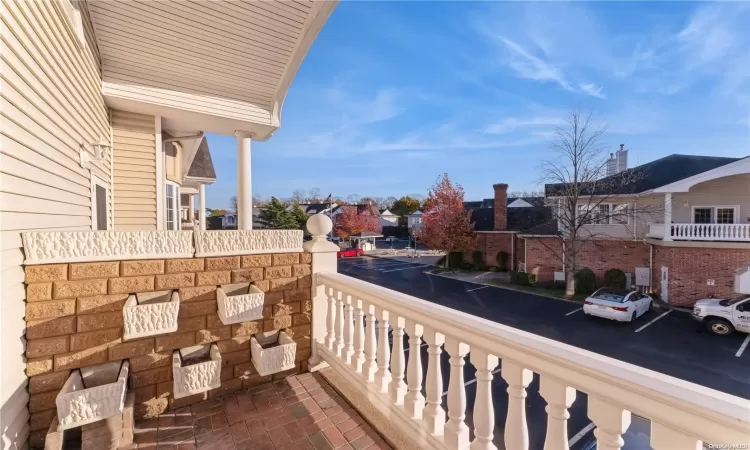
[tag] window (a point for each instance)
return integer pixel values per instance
(715, 214)
(74, 20)
(620, 214)
(99, 210)
(173, 206)
(602, 216)
(605, 214)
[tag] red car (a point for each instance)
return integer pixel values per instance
(350, 253)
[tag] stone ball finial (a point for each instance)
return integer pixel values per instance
(319, 225)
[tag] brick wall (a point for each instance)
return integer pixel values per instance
(691, 268)
(74, 318)
(542, 257)
(490, 244)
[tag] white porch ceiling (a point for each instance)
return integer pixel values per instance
(217, 66)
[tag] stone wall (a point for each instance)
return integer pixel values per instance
(74, 319)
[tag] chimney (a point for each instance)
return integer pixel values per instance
(501, 206)
(622, 159)
(611, 165)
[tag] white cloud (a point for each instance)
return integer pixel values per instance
(514, 123)
(531, 67)
(592, 90)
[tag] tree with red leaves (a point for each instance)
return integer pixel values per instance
(352, 221)
(447, 225)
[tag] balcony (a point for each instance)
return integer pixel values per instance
(732, 232)
(410, 395)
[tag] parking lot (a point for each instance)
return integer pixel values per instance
(666, 341)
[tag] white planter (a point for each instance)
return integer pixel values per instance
(278, 355)
(194, 378)
(242, 302)
(92, 393)
(150, 313)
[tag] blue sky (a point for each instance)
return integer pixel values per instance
(393, 94)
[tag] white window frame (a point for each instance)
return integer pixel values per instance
(98, 181)
(176, 206)
(73, 20)
(714, 209)
(609, 219)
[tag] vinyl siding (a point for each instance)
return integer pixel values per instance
(50, 105)
(727, 191)
(134, 171)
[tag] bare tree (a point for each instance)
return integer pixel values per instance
(389, 201)
(298, 196)
(314, 196)
(352, 199)
(525, 194)
(233, 204)
(580, 191)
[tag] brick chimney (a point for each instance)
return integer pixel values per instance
(501, 206)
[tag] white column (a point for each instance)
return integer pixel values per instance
(611, 423)
(191, 209)
(202, 207)
(434, 414)
(484, 410)
(383, 375)
(456, 430)
(559, 397)
(331, 321)
(339, 344)
(414, 400)
(397, 388)
(244, 183)
(371, 365)
(668, 216)
(516, 427)
(348, 352)
(358, 360)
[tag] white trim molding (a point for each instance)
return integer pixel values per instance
(47, 247)
(247, 242)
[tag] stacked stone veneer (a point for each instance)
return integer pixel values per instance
(74, 319)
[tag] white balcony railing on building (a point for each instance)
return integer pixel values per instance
(728, 232)
(682, 414)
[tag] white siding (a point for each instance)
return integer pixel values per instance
(50, 104)
(727, 191)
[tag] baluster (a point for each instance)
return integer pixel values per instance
(484, 411)
(397, 388)
(330, 323)
(349, 330)
(456, 431)
(358, 360)
(667, 438)
(368, 371)
(516, 429)
(339, 344)
(414, 400)
(559, 397)
(434, 414)
(383, 375)
(611, 422)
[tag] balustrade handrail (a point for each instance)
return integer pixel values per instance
(695, 410)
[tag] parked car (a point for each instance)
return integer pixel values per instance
(617, 304)
(350, 253)
(391, 239)
(724, 316)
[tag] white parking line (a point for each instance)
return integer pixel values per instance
(574, 311)
(476, 289)
(581, 434)
(390, 266)
(654, 320)
(473, 381)
(406, 268)
(743, 346)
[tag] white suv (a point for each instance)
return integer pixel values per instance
(724, 316)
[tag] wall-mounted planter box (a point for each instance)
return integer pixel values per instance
(196, 369)
(92, 393)
(272, 352)
(241, 302)
(150, 313)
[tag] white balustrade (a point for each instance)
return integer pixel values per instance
(728, 232)
(484, 410)
(414, 400)
(683, 415)
(383, 375)
(456, 431)
(397, 388)
(348, 352)
(358, 360)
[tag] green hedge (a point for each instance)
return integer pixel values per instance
(585, 281)
(477, 258)
(615, 278)
(502, 261)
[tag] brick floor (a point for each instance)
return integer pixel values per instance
(297, 413)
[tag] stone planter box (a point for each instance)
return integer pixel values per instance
(92, 393)
(242, 302)
(272, 352)
(150, 313)
(196, 369)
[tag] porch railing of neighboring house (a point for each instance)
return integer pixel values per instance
(682, 414)
(729, 232)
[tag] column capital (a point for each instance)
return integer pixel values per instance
(244, 134)
(319, 225)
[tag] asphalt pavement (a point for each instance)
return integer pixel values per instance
(668, 341)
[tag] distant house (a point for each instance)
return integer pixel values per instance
(229, 221)
(414, 220)
(388, 219)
